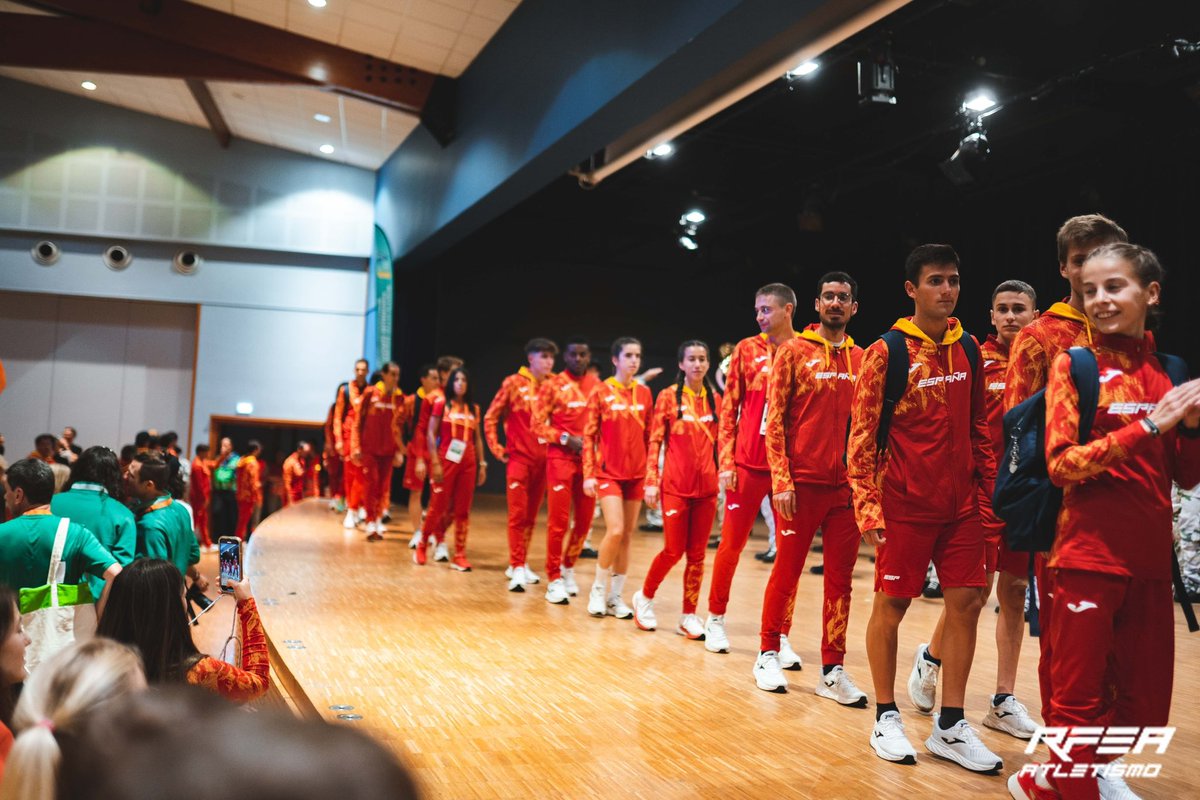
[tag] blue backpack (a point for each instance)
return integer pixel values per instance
(1024, 497)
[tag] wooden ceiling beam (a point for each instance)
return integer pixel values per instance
(251, 46)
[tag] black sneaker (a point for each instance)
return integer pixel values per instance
(714, 542)
(768, 557)
(648, 528)
(932, 590)
(588, 552)
(817, 569)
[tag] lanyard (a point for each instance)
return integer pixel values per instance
(37, 512)
(162, 503)
(689, 402)
(630, 402)
(466, 423)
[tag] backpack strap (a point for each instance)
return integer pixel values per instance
(972, 349)
(1085, 374)
(894, 384)
(1177, 370)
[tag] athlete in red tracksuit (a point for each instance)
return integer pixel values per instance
(917, 500)
(345, 415)
(200, 493)
(455, 448)
(525, 456)
(416, 467)
(1014, 306)
(685, 422)
(558, 417)
(1112, 656)
(332, 461)
(615, 438)
(377, 442)
(743, 454)
(808, 403)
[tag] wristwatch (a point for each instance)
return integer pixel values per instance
(563, 438)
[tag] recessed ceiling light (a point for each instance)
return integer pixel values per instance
(663, 150)
(91, 87)
(322, 117)
(326, 149)
(807, 68)
(980, 101)
(317, 3)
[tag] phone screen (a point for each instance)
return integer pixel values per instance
(230, 556)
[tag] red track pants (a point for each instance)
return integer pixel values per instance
(377, 474)
(355, 481)
(741, 509)
(245, 513)
(526, 486)
(200, 514)
(687, 522)
(333, 471)
(564, 489)
(1113, 659)
(451, 497)
(829, 509)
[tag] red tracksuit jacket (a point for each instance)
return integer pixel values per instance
(458, 422)
(345, 408)
(940, 446)
(809, 394)
(994, 355)
(689, 464)
(1116, 511)
(1037, 345)
(561, 407)
(380, 421)
(741, 441)
(514, 404)
(617, 432)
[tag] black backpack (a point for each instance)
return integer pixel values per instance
(1025, 498)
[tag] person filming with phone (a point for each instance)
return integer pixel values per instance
(148, 610)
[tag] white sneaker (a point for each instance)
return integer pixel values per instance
(922, 681)
(596, 604)
(362, 515)
(889, 742)
(788, 658)
(442, 553)
(416, 539)
(963, 746)
(1112, 784)
(715, 640)
(643, 612)
(351, 520)
(516, 581)
(531, 577)
(568, 579)
(691, 627)
(371, 527)
(556, 593)
(617, 608)
(837, 685)
(1011, 717)
(767, 673)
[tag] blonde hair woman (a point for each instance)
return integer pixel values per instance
(57, 699)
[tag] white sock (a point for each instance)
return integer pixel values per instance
(618, 584)
(601, 579)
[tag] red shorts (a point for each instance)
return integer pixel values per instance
(411, 481)
(955, 548)
(627, 490)
(999, 557)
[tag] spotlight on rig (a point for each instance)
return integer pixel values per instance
(966, 165)
(877, 80)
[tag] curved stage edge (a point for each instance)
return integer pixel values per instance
(485, 693)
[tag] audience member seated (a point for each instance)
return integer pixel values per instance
(57, 700)
(13, 641)
(145, 748)
(146, 609)
(91, 499)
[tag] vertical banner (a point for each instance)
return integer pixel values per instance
(381, 272)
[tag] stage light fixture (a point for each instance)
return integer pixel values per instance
(688, 242)
(979, 101)
(663, 150)
(803, 70)
(877, 80)
(964, 166)
(693, 217)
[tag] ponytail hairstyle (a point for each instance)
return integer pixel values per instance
(57, 701)
(621, 342)
(1146, 270)
(10, 619)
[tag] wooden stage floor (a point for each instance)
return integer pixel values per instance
(486, 694)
